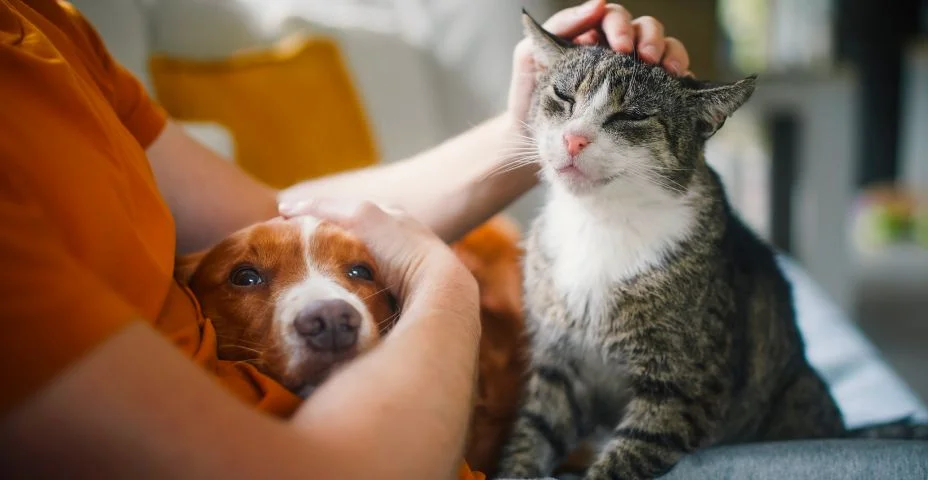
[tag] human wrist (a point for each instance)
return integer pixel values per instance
(510, 122)
(517, 142)
(444, 288)
(508, 172)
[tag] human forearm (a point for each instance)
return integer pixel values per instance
(433, 346)
(451, 188)
(136, 408)
(208, 196)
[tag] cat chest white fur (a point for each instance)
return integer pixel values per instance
(597, 242)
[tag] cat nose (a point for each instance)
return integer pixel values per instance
(328, 325)
(575, 143)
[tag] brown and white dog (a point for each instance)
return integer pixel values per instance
(300, 297)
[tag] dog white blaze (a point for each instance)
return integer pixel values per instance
(316, 284)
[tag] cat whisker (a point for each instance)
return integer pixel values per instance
(520, 154)
(662, 182)
(522, 135)
(517, 158)
(518, 148)
(644, 175)
(521, 143)
(666, 183)
(527, 126)
(510, 165)
(670, 169)
(502, 171)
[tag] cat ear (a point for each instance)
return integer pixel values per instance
(548, 47)
(716, 102)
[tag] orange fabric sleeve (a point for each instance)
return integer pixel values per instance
(465, 473)
(54, 309)
(139, 114)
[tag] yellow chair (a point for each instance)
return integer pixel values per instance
(292, 110)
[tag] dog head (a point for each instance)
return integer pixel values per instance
(296, 298)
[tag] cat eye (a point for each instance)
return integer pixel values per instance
(626, 116)
(563, 96)
(360, 272)
(245, 277)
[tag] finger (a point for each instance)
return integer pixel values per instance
(341, 211)
(292, 208)
(676, 59)
(573, 21)
(649, 34)
(617, 26)
(393, 210)
(317, 207)
(591, 37)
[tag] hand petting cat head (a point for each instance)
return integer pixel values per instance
(604, 120)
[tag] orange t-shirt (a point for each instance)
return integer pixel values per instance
(87, 243)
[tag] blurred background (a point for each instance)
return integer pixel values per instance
(828, 161)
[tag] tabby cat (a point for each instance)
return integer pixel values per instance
(653, 311)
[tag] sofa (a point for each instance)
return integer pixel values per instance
(425, 71)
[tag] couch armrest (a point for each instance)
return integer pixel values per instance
(866, 388)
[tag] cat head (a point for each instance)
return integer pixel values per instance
(604, 120)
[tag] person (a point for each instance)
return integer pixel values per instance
(110, 369)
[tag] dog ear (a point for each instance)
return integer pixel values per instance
(186, 265)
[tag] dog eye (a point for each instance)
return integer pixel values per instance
(246, 277)
(626, 116)
(360, 272)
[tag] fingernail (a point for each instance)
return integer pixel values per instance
(287, 208)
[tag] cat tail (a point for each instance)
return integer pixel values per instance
(902, 429)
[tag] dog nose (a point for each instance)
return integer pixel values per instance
(575, 143)
(329, 325)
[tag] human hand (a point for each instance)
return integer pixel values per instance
(414, 261)
(596, 22)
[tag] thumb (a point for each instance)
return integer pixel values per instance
(573, 21)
